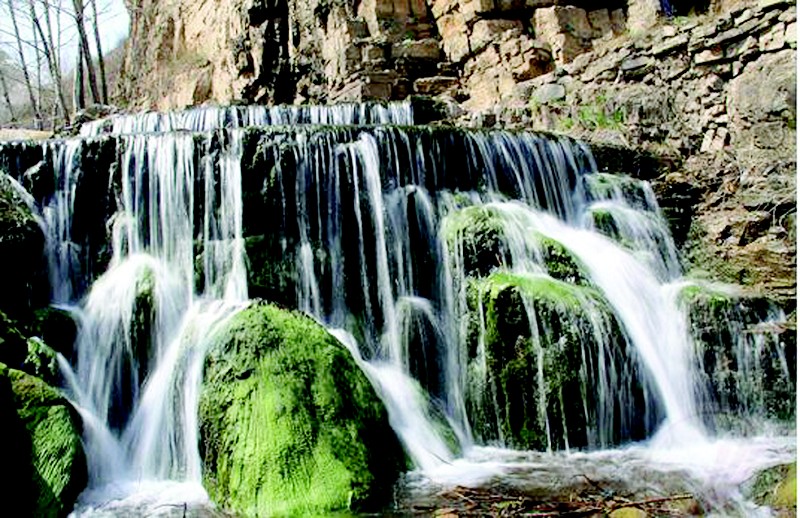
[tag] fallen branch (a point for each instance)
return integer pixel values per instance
(652, 501)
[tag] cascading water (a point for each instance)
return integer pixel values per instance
(401, 241)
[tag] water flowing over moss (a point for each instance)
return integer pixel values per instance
(43, 446)
(289, 424)
(533, 381)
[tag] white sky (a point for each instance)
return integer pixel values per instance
(114, 25)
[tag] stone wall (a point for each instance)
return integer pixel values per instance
(695, 86)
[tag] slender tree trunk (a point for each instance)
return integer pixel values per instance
(39, 95)
(50, 53)
(31, 96)
(4, 86)
(78, 96)
(100, 60)
(83, 39)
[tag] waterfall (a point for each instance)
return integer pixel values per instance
(399, 239)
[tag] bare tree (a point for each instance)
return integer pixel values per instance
(51, 53)
(34, 107)
(78, 94)
(7, 98)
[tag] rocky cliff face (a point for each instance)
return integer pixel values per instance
(185, 52)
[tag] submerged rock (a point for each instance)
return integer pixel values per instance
(43, 446)
(289, 424)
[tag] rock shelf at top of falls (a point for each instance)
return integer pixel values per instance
(490, 288)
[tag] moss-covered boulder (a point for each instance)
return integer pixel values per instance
(288, 422)
(548, 375)
(606, 186)
(43, 450)
(747, 353)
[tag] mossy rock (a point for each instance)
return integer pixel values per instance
(43, 446)
(479, 232)
(537, 382)
(777, 488)
(25, 286)
(289, 425)
(56, 327)
(13, 344)
(270, 270)
(747, 356)
(606, 186)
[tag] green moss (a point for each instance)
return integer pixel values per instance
(560, 263)
(41, 360)
(543, 290)
(289, 424)
(47, 444)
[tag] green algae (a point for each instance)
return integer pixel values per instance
(289, 424)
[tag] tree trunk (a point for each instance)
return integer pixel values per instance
(100, 60)
(78, 96)
(36, 116)
(4, 86)
(83, 40)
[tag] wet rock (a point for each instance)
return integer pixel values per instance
(535, 385)
(746, 352)
(25, 283)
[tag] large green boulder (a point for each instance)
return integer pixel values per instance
(543, 361)
(289, 425)
(42, 449)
